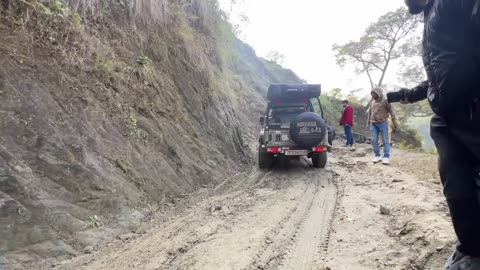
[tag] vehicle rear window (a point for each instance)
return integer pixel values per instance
(284, 116)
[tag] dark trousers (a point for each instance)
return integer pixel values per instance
(459, 166)
(348, 134)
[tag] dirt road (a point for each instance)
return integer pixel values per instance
(298, 217)
(389, 217)
(258, 220)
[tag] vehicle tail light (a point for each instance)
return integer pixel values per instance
(273, 150)
(319, 149)
(278, 101)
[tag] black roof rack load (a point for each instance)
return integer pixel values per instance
(293, 91)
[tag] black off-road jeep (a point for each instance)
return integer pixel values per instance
(293, 125)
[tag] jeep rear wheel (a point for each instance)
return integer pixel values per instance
(319, 160)
(265, 160)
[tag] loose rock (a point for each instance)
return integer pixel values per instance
(127, 236)
(384, 211)
(88, 250)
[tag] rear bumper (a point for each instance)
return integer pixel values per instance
(295, 151)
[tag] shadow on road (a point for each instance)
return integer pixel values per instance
(286, 164)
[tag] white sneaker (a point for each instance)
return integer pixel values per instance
(377, 159)
(386, 161)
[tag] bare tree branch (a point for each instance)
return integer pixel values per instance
(383, 42)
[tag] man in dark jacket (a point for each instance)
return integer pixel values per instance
(451, 55)
(347, 122)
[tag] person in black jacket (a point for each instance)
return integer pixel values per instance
(451, 55)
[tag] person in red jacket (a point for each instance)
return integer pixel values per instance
(347, 122)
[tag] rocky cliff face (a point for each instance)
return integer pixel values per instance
(110, 109)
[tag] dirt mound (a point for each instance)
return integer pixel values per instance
(106, 117)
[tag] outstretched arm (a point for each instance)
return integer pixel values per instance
(418, 93)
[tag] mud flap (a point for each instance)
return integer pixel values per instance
(265, 160)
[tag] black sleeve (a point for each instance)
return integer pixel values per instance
(413, 95)
(418, 93)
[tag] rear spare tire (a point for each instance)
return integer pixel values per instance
(308, 129)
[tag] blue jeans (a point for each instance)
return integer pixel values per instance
(376, 129)
(348, 134)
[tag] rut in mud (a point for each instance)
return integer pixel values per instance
(257, 220)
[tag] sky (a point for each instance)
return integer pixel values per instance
(304, 31)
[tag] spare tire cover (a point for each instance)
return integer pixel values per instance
(308, 129)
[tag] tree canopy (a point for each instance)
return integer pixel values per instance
(392, 37)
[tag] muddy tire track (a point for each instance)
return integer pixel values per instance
(312, 240)
(274, 250)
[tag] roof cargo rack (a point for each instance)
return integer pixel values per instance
(293, 91)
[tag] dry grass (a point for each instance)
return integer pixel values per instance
(159, 11)
(180, 28)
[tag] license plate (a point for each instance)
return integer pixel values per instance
(296, 152)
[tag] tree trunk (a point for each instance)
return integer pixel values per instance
(387, 62)
(380, 82)
(368, 74)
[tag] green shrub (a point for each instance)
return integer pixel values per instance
(94, 222)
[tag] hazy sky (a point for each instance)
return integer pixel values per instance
(305, 30)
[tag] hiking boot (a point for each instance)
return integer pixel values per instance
(460, 261)
(386, 161)
(377, 159)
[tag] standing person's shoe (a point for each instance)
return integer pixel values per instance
(377, 159)
(460, 261)
(386, 161)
